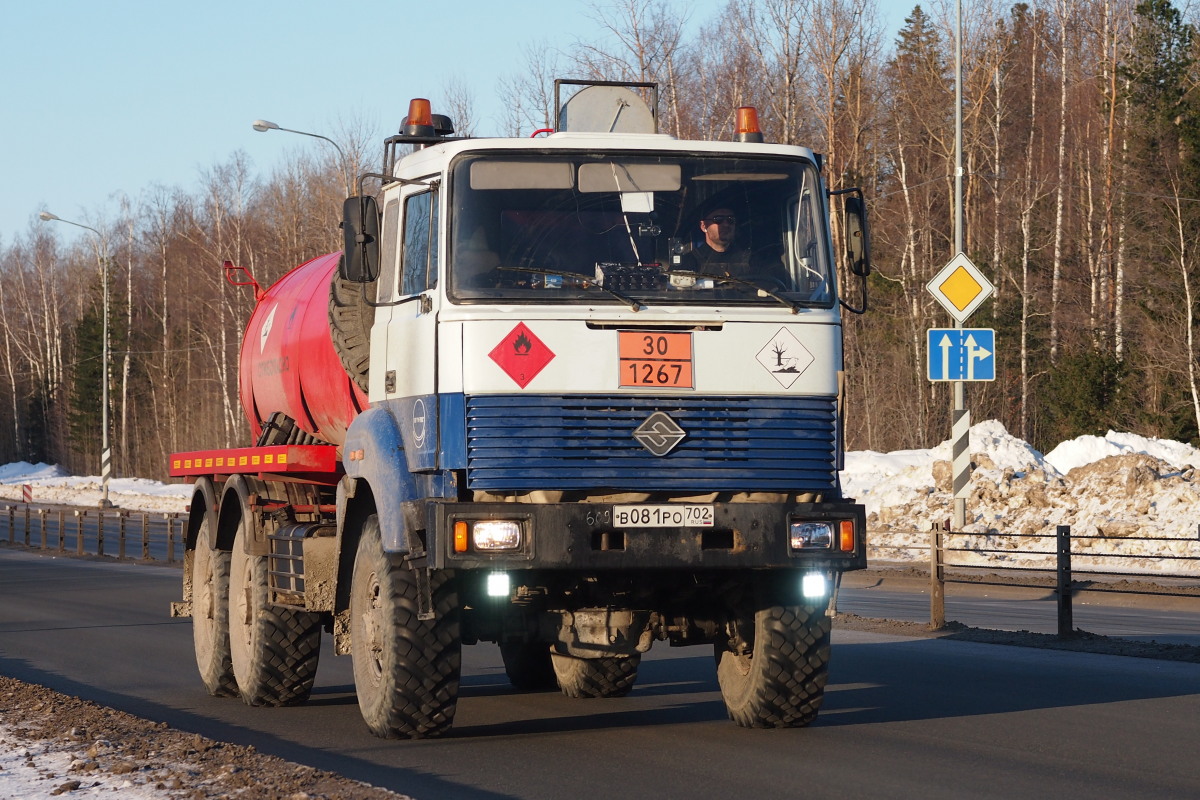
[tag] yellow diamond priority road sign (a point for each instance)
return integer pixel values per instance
(960, 287)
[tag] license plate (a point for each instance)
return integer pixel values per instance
(673, 515)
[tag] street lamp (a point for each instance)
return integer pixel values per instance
(262, 126)
(106, 450)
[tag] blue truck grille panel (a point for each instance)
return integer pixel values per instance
(526, 442)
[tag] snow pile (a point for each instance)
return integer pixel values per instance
(1115, 492)
(51, 484)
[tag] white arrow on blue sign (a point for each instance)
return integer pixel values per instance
(962, 354)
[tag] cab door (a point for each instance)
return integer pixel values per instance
(410, 361)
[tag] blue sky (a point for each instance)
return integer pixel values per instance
(104, 98)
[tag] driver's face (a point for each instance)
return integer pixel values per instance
(719, 226)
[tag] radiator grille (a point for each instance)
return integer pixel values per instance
(526, 442)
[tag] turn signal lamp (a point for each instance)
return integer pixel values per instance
(846, 536)
(460, 537)
(746, 128)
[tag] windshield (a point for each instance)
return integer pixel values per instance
(686, 229)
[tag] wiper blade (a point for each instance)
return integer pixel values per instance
(791, 304)
(587, 281)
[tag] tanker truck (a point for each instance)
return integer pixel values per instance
(573, 394)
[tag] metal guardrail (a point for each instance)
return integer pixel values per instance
(140, 536)
(1065, 568)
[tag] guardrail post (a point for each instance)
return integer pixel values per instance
(121, 515)
(170, 538)
(1066, 621)
(937, 580)
(62, 524)
(27, 526)
(145, 537)
(12, 524)
(79, 533)
(99, 533)
(42, 512)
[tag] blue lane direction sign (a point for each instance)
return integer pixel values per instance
(962, 354)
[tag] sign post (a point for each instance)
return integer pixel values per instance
(961, 354)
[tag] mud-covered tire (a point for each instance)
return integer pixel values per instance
(406, 670)
(210, 613)
(528, 666)
(780, 683)
(350, 321)
(609, 676)
(274, 650)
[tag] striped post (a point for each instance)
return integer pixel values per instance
(961, 449)
(105, 474)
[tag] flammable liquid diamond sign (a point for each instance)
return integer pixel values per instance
(960, 287)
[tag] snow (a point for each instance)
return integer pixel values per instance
(38, 771)
(52, 484)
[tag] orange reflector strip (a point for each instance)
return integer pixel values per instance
(460, 537)
(846, 540)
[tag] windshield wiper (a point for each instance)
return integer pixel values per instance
(791, 304)
(587, 281)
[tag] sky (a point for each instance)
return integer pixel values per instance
(104, 99)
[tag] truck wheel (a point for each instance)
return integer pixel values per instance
(210, 614)
(780, 683)
(274, 650)
(595, 677)
(528, 666)
(406, 670)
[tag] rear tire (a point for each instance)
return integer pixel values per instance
(780, 683)
(609, 676)
(528, 666)
(406, 670)
(210, 613)
(274, 650)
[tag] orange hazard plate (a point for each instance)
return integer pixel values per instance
(655, 359)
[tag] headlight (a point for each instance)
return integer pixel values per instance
(811, 535)
(496, 535)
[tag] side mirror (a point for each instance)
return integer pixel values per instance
(360, 229)
(858, 240)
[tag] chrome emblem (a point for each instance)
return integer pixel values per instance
(659, 434)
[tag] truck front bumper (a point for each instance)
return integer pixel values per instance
(583, 536)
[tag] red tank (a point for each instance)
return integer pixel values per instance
(288, 361)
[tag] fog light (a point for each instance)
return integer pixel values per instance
(814, 585)
(811, 535)
(498, 584)
(496, 534)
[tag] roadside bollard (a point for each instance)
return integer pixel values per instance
(1066, 617)
(79, 533)
(170, 537)
(121, 534)
(99, 533)
(62, 524)
(145, 537)
(11, 524)
(27, 526)
(42, 513)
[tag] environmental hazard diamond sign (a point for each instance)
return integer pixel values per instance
(960, 287)
(784, 357)
(521, 355)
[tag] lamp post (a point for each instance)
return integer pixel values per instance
(262, 126)
(105, 448)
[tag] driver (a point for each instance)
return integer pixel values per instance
(722, 253)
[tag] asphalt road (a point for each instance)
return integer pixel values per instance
(903, 717)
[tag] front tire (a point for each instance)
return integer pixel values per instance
(274, 650)
(608, 676)
(210, 613)
(780, 682)
(406, 670)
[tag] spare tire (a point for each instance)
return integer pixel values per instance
(350, 319)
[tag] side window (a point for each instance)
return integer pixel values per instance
(389, 249)
(420, 266)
